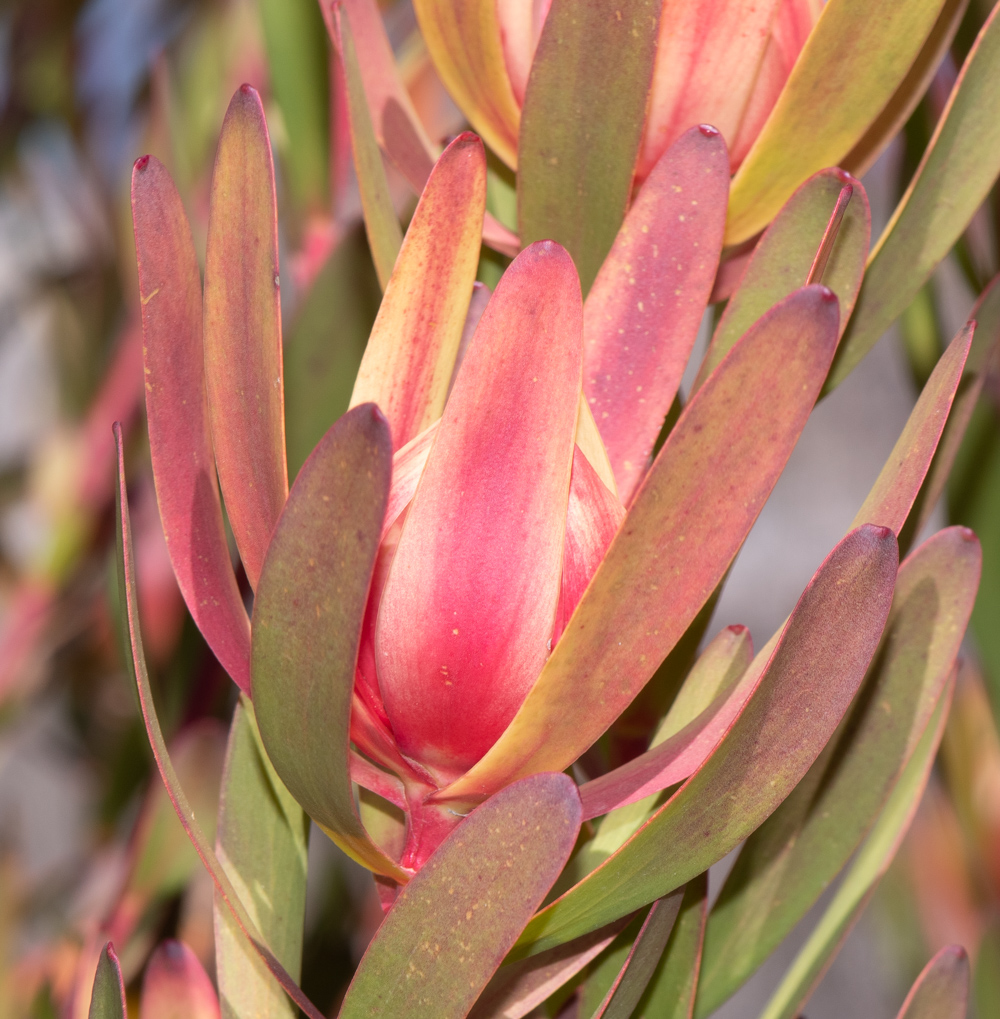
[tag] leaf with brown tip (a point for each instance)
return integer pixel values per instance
(180, 437)
(243, 330)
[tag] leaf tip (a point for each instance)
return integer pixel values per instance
(708, 131)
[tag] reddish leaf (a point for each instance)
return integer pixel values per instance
(942, 989)
(176, 985)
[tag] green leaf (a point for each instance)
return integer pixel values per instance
(452, 925)
(956, 173)
(785, 865)
(107, 999)
(604, 972)
(805, 689)
(942, 989)
(854, 60)
(986, 976)
(580, 131)
(871, 862)
(263, 845)
(307, 623)
(670, 994)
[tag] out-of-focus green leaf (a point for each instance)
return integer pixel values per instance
(107, 999)
(580, 131)
(451, 926)
(854, 60)
(986, 975)
(871, 862)
(782, 260)
(671, 991)
(325, 345)
(307, 623)
(955, 175)
(176, 986)
(263, 845)
(785, 865)
(942, 989)
(805, 689)
(297, 65)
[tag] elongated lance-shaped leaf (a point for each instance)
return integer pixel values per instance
(107, 999)
(454, 922)
(411, 352)
(463, 38)
(262, 842)
(817, 666)
(307, 623)
(871, 862)
(180, 436)
(135, 661)
(243, 330)
(898, 484)
(841, 82)
(519, 987)
(797, 852)
(385, 236)
(942, 989)
(704, 491)
(784, 257)
(176, 986)
(957, 171)
(642, 315)
(671, 990)
(643, 956)
(580, 132)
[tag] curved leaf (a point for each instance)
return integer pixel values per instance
(107, 999)
(942, 989)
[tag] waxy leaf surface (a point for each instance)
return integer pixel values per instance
(307, 623)
(452, 925)
(855, 59)
(703, 492)
(641, 317)
(411, 352)
(243, 330)
(959, 167)
(816, 668)
(176, 986)
(580, 131)
(942, 989)
(802, 846)
(180, 436)
(107, 999)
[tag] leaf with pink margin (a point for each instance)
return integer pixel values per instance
(805, 689)
(407, 365)
(307, 620)
(470, 601)
(642, 314)
(243, 330)
(942, 989)
(176, 986)
(452, 925)
(107, 999)
(180, 436)
(135, 661)
(703, 492)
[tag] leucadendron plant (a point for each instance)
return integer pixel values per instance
(488, 558)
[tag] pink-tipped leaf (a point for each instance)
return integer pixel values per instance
(942, 989)
(176, 986)
(107, 999)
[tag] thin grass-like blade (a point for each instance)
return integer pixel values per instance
(176, 986)
(107, 1000)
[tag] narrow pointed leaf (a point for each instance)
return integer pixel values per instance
(262, 842)
(781, 262)
(136, 663)
(703, 492)
(307, 623)
(180, 437)
(470, 601)
(411, 352)
(454, 922)
(107, 1000)
(870, 864)
(385, 236)
(642, 315)
(243, 330)
(176, 986)
(809, 682)
(942, 989)
(463, 37)
(580, 132)
(671, 990)
(804, 844)
(957, 171)
(853, 62)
